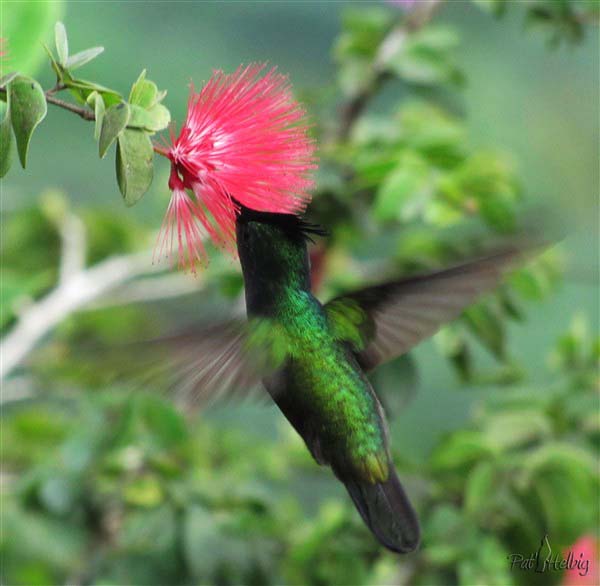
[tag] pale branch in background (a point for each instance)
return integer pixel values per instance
(73, 240)
(72, 294)
(78, 287)
(150, 289)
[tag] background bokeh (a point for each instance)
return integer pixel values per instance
(104, 486)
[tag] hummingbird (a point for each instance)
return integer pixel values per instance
(240, 173)
(314, 359)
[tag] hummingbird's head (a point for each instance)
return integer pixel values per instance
(273, 246)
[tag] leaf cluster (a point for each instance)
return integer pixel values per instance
(128, 123)
(560, 21)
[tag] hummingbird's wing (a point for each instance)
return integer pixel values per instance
(206, 362)
(386, 320)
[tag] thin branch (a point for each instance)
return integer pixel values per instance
(82, 112)
(57, 88)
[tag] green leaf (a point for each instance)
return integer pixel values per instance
(499, 213)
(155, 119)
(534, 281)
(145, 491)
(5, 139)
(43, 539)
(162, 420)
(355, 76)
(363, 31)
(83, 57)
(424, 58)
(558, 454)
(405, 191)
(81, 89)
(563, 473)
(95, 100)
(62, 44)
(60, 73)
(462, 449)
(486, 565)
(115, 121)
(146, 111)
(480, 486)
(144, 92)
(511, 429)
(134, 164)
(28, 109)
(487, 326)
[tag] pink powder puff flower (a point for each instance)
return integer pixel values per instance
(180, 226)
(244, 142)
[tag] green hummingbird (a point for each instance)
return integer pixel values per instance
(313, 358)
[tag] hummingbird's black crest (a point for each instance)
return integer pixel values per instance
(294, 226)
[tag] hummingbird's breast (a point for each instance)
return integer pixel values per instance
(325, 394)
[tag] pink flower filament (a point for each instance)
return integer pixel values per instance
(245, 142)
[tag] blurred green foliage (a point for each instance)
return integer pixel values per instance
(115, 487)
(106, 485)
(24, 26)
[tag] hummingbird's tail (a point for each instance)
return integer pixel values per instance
(387, 512)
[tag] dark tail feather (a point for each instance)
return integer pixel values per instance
(386, 510)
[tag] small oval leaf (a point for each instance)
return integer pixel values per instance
(134, 164)
(5, 139)
(83, 57)
(28, 109)
(54, 63)
(115, 120)
(155, 119)
(62, 44)
(144, 92)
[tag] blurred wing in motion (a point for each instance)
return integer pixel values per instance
(206, 363)
(387, 320)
